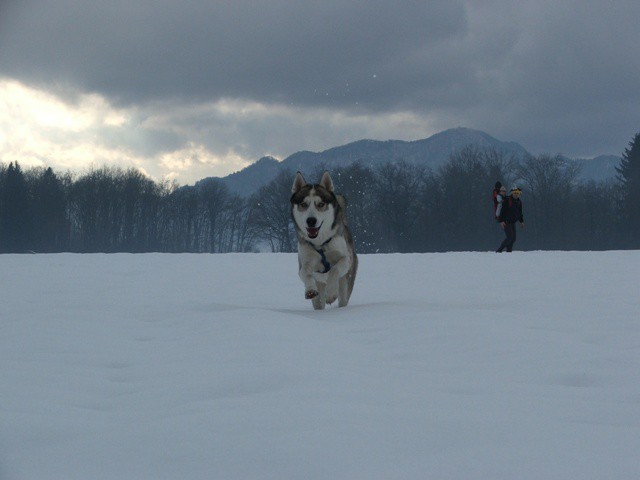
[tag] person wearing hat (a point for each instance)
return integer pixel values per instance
(510, 213)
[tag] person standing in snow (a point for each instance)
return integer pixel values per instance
(510, 213)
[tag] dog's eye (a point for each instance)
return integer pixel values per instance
(321, 204)
(303, 205)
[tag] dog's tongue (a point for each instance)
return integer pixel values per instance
(312, 232)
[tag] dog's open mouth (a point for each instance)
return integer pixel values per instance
(312, 232)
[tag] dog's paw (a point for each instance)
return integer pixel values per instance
(309, 294)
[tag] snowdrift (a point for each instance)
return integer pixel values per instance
(460, 365)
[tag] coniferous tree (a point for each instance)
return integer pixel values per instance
(629, 176)
(15, 218)
(49, 209)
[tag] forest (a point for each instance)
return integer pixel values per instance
(397, 207)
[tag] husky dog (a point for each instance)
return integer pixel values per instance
(326, 255)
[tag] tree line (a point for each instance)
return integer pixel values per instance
(396, 207)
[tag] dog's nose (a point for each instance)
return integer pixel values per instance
(311, 222)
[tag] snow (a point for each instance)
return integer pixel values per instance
(443, 366)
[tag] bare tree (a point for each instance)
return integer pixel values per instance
(270, 215)
(397, 194)
(549, 183)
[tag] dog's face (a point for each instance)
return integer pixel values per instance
(313, 209)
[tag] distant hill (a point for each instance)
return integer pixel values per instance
(249, 180)
(432, 152)
(598, 168)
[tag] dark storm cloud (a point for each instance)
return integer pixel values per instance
(557, 76)
(312, 53)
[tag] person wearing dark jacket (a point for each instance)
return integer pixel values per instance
(510, 214)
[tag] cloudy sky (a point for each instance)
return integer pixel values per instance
(185, 90)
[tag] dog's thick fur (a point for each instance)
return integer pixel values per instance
(326, 254)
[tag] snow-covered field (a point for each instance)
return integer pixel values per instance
(444, 366)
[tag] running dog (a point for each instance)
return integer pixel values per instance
(326, 256)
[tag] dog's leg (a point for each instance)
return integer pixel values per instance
(318, 304)
(335, 277)
(343, 291)
(332, 289)
(319, 301)
(315, 289)
(310, 285)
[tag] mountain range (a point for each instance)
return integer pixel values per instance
(433, 152)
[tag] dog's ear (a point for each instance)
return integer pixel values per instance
(298, 183)
(326, 181)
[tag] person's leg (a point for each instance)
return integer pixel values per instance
(511, 236)
(504, 243)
